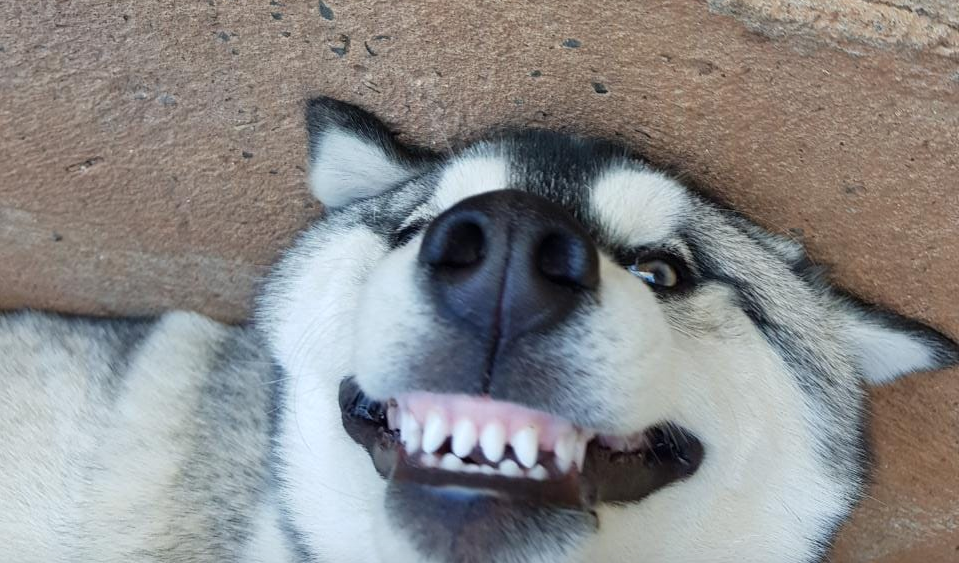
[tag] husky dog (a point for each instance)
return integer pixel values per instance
(537, 349)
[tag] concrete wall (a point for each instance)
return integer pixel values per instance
(151, 154)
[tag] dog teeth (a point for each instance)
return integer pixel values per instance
(435, 432)
(445, 431)
(450, 462)
(464, 437)
(538, 473)
(410, 432)
(493, 441)
(509, 468)
(565, 451)
(580, 451)
(429, 460)
(525, 443)
(392, 416)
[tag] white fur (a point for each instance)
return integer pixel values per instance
(712, 373)
(349, 168)
(80, 472)
(40, 484)
(885, 354)
(162, 389)
(638, 206)
(470, 175)
(390, 312)
(748, 501)
(313, 334)
(268, 544)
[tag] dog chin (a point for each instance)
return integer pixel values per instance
(417, 526)
(460, 525)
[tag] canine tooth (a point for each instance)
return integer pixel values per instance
(450, 462)
(487, 469)
(464, 437)
(525, 444)
(510, 469)
(493, 441)
(392, 414)
(538, 473)
(434, 432)
(470, 468)
(581, 451)
(429, 460)
(564, 450)
(410, 432)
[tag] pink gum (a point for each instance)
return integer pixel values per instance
(481, 411)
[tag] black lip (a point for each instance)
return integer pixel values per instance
(608, 476)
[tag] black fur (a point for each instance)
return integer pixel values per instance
(323, 114)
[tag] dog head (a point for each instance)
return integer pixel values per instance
(542, 349)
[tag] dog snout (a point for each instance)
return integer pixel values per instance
(507, 263)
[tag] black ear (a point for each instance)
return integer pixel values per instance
(889, 346)
(352, 154)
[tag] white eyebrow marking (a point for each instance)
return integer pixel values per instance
(468, 176)
(638, 207)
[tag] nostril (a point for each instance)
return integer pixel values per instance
(506, 263)
(458, 244)
(567, 259)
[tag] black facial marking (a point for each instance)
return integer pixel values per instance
(405, 234)
(560, 167)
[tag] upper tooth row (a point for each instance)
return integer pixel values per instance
(570, 447)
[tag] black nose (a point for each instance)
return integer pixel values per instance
(508, 262)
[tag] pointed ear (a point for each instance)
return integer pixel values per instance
(352, 154)
(889, 346)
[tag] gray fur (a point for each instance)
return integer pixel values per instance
(78, 458)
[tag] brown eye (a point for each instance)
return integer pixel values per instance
(655, 272)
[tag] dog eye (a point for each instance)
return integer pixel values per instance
(656, 271)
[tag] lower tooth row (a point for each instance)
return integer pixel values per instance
(506, 468)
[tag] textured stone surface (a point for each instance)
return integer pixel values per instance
(930, 25)
(151, 154)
